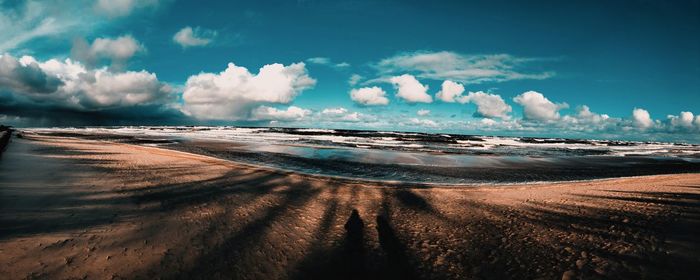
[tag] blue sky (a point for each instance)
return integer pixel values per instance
(592, 69)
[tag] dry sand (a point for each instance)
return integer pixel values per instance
(73, 208)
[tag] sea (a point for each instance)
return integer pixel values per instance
(408, 157)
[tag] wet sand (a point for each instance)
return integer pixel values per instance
(76, 208)
(428, 165)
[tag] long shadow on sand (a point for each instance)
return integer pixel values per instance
(50, 206)
(496, 242)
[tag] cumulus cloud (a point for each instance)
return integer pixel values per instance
(118, 8)
(411, 90)
(488, 122)
(117, 50)
(334, 111)
(584, 113)
(194, 37)
(292, 113)
(641, 118)
(369, 96)
(235, 92)
(685, 120)
(340, 114)
(69, 84)
(423, 112)
(586, 120)
(27, 77)
(421, 122)
(472, 69)
(487, 105)
(107, 89)
(536, 107)
(450, 91)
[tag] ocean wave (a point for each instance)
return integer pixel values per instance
(411, 157)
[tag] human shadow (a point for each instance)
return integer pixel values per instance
(354, 245)
(353, 260)
(345, 260)
(397, 261)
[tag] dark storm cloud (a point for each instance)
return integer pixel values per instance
(47, 115)
(66, 93)
(29, 78)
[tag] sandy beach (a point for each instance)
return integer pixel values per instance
(83, 209)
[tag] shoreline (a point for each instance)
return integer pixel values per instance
(84, 208)
(415, 184)
(379, 182)
(485, 170)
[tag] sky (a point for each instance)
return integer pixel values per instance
(577, 69)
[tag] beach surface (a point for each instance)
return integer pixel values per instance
(74, 208)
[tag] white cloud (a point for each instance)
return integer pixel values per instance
(354, 79)
(327, 61)
(423, 112)
(118, 50)
(422, 122)
(489, 122)
(487, 105)
(587, 121)
(410, 89)
(352, 117)
(107, 89)
(292, 113)
(450, 91)
(319, 60)
(233, 93)
(197, 37)
(641, 118)
(453, 66)
(685, 120)
(69, 84)
(340, 115)
(369, 96)
(334, 111)
(118, 8)
(30, 20)
(26, 77)
(585, 114)
(536, 107)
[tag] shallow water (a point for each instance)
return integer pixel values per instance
(413, 157)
